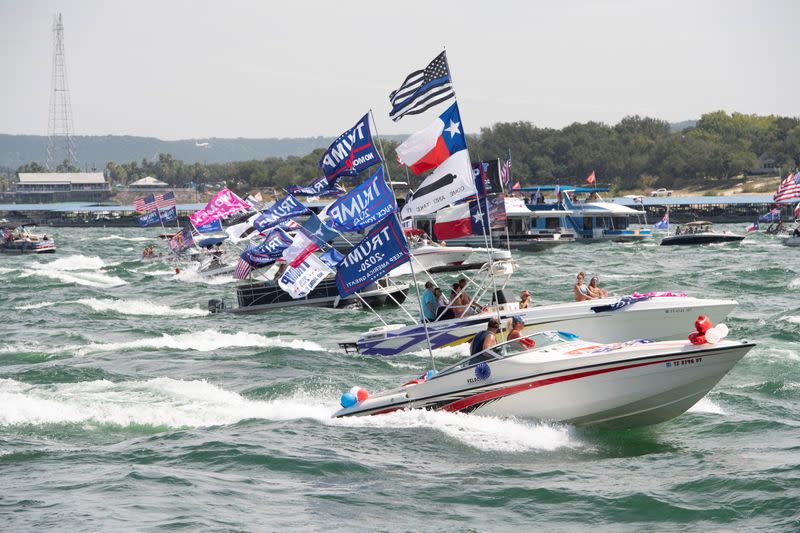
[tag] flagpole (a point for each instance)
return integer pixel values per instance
(486, 240)
(411, 257)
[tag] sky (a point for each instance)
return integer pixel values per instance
(201, 69)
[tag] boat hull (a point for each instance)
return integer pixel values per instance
(792, 241)
(658, 318)
(20, 248)
(611, 390)
(700, 238)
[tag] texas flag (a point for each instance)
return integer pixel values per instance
(430, 147)
(453, 222)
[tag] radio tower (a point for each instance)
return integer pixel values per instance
(60, 142)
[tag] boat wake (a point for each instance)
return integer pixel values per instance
(76, 269)
(191, 275)
(170, 403)
(121, 238)
(138, 308)
(35, 306)
(203, 341)
(706, 405)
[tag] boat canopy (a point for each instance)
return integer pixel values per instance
(570, 188)
(697, 223)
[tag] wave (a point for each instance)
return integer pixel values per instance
(35, 306)
(794, 319)
(4, 270)
(74, 269)
(191, 275)
(121, 238)
(139, 308)
(203, 341)
(706, 405)
(166, 402)
(794, 284)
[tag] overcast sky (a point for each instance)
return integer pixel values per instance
(198, 69)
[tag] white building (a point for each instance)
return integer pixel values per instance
(61, 186)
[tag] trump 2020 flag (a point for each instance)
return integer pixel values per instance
(319, 187)
(382, 250)
(352, 152)
(332, 257)
(299, 280)
(269, 250)
(284, 209)
(221, 205)
(211, 227)
(168, 214)
(148, 219)
(365, 205)
(450, 182)
(430, 147)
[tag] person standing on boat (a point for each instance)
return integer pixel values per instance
(429, 303)
(580, 288)
(442, 311)
(484, 340)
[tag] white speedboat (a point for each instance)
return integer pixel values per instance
(564, 379)
(604, 320)
(793, 240)
(434, 257)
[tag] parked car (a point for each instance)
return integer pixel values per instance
(661, 192)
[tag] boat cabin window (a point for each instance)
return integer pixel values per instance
(619, 222)
(516, 226)
(509, 348)
(552, 223)
(587, 222)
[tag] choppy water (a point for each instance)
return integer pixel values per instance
(125, 406)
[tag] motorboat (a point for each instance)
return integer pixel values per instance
(793, 239)
(215, 265)
(699, 232)
(568, 380)
(432, 256)
(615, 319)
(22, 241)
(266, 295)
(594, 219)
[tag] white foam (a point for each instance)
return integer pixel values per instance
(35, 306)
(139, 308)
(795, 283)
(4, 270)
(75, 269)
(191, 275)
(121, 238)
(705, 405)
(203, 341)
(177, 403)
(791, 318)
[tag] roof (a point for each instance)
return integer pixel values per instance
(698, 200)
(603, 208)
(81, 207)
(570, 188)
(698, 223)
(61, 177)
(149, 181)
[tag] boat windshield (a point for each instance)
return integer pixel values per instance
(512, 347)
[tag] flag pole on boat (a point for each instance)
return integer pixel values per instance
(400, 223)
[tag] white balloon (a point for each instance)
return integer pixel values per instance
(723, 329)
(713, 335)
(354, 390)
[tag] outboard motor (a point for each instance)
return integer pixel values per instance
(216, 306)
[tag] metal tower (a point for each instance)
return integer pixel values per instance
(60, 142)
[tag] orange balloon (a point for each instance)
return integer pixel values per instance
(362, 394)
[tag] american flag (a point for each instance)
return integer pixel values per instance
(242, 269)
(144, 204)
(165, 200)
(789, 188)
(505, 173)
(422, 89)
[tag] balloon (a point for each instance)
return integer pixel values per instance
(430, 374)
(354, 390)
(362, 395)
(702, 324)
(714, 335)
(348, 400)
(697, 338)
(723, 329)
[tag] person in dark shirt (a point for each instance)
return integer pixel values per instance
(483, 341)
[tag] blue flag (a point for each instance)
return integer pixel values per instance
(351, 153)
(382, 250)
(367, 204)
(148, 219)
(318, 231)
(168, 214)
(331, 258)
(284, 209)
(269, 250)
(214, 225)
(773, 216)
(319, 187)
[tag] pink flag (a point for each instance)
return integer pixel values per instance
(221, 205)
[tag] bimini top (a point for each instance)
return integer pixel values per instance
(603, 208)
(697, 223)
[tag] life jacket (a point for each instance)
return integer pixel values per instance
(477, 342)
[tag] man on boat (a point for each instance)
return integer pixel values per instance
(517, 325)
(483, 341)
(429, 303)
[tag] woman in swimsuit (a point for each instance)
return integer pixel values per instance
(580, 288)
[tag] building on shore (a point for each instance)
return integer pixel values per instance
(49, 187)
(732, 208)
(149, 184)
